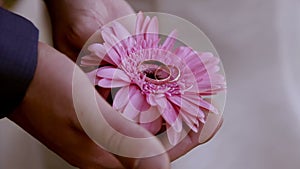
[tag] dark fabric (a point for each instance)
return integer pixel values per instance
(18, 59)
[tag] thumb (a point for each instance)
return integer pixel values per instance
(133, 145)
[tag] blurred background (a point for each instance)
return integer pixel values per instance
(258, 42)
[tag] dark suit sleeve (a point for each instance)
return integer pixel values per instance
(18, 59)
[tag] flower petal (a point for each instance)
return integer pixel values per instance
(196, 99)
(109, 37)
(97, 54)
(139, 23)
(152, 33)
(153, 26)
(109, 83)
(186, 105)
(98, 49)
(177, 125)
(90, 60)
(130, 111)
(173, 135)
(145, 25)
(120, 31)
(151, 99)
(153, 127)
(170, 41)
(121, 98)
(136, 103)
(113, 73)
(192, 122)
(113, 55)
(149, 115)
(167, 110)
(137, 99)
(183, 51)
(92, 76)
(111, 45)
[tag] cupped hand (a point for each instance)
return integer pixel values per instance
(48, 113)
(74, 21)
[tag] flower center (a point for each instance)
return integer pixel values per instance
(157, 72)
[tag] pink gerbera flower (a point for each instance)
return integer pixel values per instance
(157, 84)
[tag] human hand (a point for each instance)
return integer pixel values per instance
(48, 113)
(74, 21)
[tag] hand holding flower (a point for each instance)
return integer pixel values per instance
(155, 84)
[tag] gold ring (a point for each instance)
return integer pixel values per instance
(155, 71)
(175, 73)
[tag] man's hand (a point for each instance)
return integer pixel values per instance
(48, 113)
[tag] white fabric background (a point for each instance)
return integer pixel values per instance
(258, 42)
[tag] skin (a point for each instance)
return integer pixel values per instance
(47, 111)
(72, 26)
(74, 21)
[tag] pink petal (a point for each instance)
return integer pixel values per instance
(152, 31)
(197, 100)
(192, 122)
(208, 58)
(145, 24)
(153, 127)
(177, 125)
(109, 83)
(109, 36)
(183, 51)
(137, 99)
(170, 41)
(121, 98)
(113, 73)
(167, 110)
(90, 60)
(136, 103)
(120, 31)
(151, 99)
(149, 115)
(114, 56)
(98, 53)
(160, 101)
(111, 45)
(92, 76)
(187, 106)
(173, 135)
(153, 26)
(97, 49)
(193, 62)
(130, 111)
(139, 23)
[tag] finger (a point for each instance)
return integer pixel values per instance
(189, 142)
(132, 144)
(215, 131)
(212, 123)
